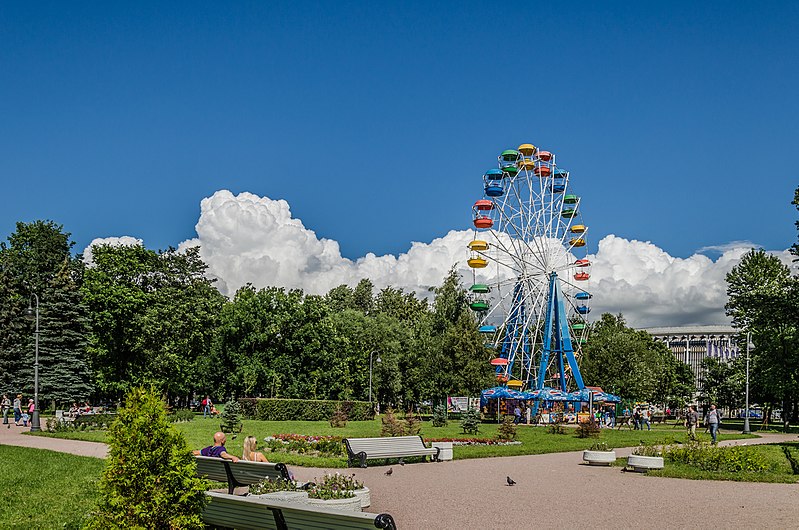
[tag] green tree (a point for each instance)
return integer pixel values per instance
(764, 299)
(630, 363)
(153, 319)
(722, 382)
(150, 479)
(36, 259)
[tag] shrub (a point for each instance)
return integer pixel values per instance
(440, 416)
(713, 458)
(470, 421)
(339, 418)
(149, 479)
(231, 418)
(507, 429)
(391, 426)
(304, 409)
(556, 428)
(588, 429)
(413, 423)
(181, 415)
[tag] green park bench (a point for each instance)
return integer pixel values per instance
(241, 473)
(362, 449)
(256, 513)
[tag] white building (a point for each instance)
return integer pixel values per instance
(691, 344)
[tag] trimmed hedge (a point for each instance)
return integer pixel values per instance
(270, 409)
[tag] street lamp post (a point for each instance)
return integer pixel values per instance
(746, 411)
(30, 314)
(370, 372)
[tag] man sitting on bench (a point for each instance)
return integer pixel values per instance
(218, 449)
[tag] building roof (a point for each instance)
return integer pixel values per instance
(692, 330)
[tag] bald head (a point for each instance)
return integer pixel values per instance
(220, 438)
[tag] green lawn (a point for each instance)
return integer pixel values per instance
(45, 489)
(535, 440)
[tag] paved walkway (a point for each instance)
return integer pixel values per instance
(552, 491)
(12, 435)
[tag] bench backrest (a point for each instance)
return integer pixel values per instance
(258, 513)
(241, 473)
(393, 443)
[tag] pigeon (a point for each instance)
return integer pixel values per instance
(401, 462)
(511, 482)
(389, 472)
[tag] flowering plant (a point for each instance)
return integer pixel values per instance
(271, 486)
(334, 486)
(472, 441)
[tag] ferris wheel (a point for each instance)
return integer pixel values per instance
(530, 271)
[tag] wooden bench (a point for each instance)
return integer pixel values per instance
(241, 473)
(363, 449)
(253, 513)
(624, 421)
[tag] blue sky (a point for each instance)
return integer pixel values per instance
(375, 121)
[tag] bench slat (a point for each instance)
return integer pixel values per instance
(255, 513)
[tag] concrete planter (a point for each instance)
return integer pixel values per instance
(349, 505)
(365, 495)
(644, 463)
(446, 450)
(599, 458)
(286, 496)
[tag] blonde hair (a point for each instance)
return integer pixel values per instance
(250, 444)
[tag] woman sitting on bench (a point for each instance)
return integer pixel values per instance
(249, 453)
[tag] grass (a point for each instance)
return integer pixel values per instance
(773, 453)
(46, 489)
(535, 440)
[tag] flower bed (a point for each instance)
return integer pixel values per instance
(473, 441)
(301, 444)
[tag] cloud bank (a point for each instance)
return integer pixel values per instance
(250, 239)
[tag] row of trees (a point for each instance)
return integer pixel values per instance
(139, 317)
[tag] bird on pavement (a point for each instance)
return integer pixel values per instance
(401, 462)
(511, 482)
(389, 472)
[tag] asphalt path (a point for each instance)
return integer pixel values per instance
(551, 491)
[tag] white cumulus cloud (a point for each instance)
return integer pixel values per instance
(111, 241)
(246, 238)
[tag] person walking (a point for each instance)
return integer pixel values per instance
(207, 407)
(646, 416)
(691, 420)
(6, 406)
(17, 409)
(517, 414)
(713, 420)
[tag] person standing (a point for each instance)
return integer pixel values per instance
(646, 416)
(17, 409)
(6, 406)
(517, 414)
(691, 419)
(207, 406)
(713, 420)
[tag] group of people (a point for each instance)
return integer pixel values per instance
(21, 415)
(76, 410)
(208, 407)
(217, 450)
(712, 420)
